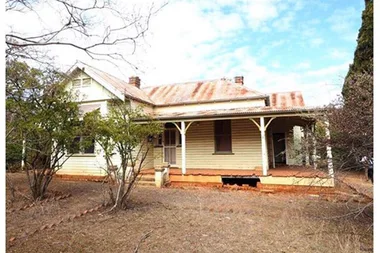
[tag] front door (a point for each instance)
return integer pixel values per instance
(170, 146)
(279, 148)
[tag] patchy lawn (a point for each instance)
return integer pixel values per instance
(185, 220)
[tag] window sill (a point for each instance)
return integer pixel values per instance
(82, 155)
(223, 153)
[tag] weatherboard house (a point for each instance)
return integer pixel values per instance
(214, 131)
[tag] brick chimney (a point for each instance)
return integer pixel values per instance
(239, 80)
(135, 81)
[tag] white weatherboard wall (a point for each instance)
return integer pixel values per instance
(87, 164)
(200, 146)
(90, 93)
(96, 96)
(84, 164)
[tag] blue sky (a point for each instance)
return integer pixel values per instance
(276, 45)
(286, 45)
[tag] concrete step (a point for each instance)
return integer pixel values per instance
(147, 178)
(146, 183)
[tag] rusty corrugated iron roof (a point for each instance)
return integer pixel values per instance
(287, 99)
(201, 91)
(245, 111)
(122, 86)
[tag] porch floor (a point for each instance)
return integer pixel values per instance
(284, 171)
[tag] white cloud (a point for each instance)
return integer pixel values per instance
(316, 42)
(259, 12)
(191, 40)
(341, 20)
(284, 23)
(339, 54)
(331, 70)
(275, 64)
(303, 65)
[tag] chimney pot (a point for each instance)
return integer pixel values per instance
(135, 81)
(239, 80)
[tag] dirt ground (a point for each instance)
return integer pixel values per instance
(356, 180)
(185, 220)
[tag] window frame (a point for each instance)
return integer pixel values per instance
(81, 85)
(223, 135)
(82, 151)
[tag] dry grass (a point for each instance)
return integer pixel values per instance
(189, 220)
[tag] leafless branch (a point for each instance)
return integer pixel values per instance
(144, 237)
(76, 21)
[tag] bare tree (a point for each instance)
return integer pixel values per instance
(94, 27)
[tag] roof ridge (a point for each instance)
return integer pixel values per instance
(119, 84)
(103, 72)
(208, 80)
(286, 91)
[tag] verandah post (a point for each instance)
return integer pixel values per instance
(183, 148)
(264, 147)
(330, 166)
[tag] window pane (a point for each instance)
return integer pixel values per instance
(76, 83)
(86, 82)
(218, 127)
(172, 137)
(166, 137)
(159, 139)
(89, 146)
(223, 136)
(74, 148)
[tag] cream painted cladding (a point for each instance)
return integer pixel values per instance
(88, 91)
(200, 148)
(92, 96)
(85, 164)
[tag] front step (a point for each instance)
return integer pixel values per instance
(146, 180)
(146, 183)
(147, 177)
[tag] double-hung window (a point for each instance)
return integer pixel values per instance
(82, 145)
(222, 133)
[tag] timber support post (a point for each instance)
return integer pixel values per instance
(264, 147)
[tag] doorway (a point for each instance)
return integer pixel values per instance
(279, 148)
(170, 146)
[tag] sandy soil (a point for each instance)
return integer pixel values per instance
(357, 181)
(186, 220)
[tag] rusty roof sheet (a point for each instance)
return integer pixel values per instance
(286, 99)
(122, 86)
(245, 111)
(198, 92)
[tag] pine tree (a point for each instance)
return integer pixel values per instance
(363, 58)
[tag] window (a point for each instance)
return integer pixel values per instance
(86, 82)
(222, 132)
(82, 145)
(81, 82)
(76, 82)
(158, 141)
